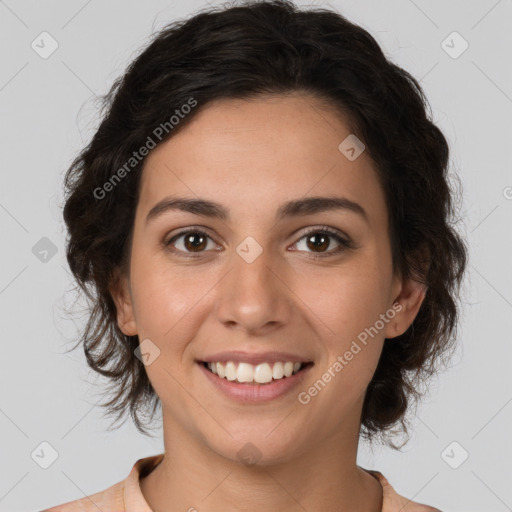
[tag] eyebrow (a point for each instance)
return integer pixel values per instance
(295, 208)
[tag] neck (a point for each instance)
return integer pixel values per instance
(323, 477)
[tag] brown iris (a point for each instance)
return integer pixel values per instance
(323, 241)
(195, 242)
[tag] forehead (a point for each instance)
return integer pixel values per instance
(253, 155)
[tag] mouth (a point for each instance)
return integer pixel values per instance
(263, 374)
(238, 380)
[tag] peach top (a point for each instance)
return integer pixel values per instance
(126, 496)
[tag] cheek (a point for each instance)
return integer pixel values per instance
(347, 304)
(347, 299)
(167, 298)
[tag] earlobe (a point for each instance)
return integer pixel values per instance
(409, 294)
(120, 291)
(406, 306)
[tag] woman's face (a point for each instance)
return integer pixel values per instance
(249, 281)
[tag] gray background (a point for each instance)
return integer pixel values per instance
(47, 114)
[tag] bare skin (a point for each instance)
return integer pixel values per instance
(251, 157)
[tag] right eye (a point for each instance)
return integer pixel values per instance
(193, 243)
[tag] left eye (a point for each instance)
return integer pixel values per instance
(321, 240)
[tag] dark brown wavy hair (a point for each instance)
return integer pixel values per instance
(242, 51)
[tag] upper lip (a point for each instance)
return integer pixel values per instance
(254, 358)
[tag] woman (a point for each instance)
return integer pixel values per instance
(262, 225)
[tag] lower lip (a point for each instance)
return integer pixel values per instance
(255, 393)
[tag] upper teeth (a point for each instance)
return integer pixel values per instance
(261, 373)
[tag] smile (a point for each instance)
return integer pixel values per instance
(262, 373)
(249, 391)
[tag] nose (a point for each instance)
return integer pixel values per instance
(254, 297)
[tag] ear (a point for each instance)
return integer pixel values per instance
(121, 294)
(408, 297)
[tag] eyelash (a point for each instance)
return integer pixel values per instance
(325, 230)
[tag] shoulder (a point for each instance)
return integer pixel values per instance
(109, 499)
(119, 497)
(394, 502)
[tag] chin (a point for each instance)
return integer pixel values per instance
(253, 446)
